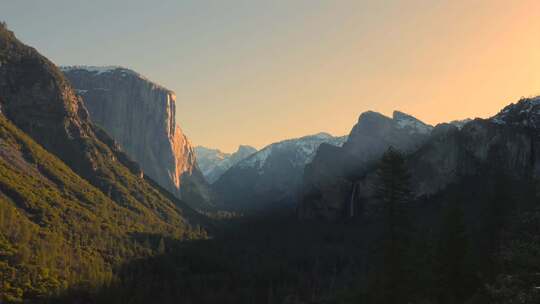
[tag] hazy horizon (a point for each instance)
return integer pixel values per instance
(257, 72)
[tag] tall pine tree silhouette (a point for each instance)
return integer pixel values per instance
(394, 193)
(453, 277)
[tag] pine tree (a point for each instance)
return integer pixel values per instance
(452, 276)
(394, 192)
(495, 214)
(519, 260)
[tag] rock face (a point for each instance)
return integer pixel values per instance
(450, 153)
(213, 163)
(374, 133)
(525, 113)
(272, 176)
(140, 115)
(66, 187)
(36, 98)
(328, 181)
(510, 139)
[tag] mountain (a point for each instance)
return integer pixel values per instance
(140, 116)
(460, 123)
(213, 163)
(453, 153)
(328, 180)
(73, 205)
(450, 153)
(270, 177)
(466, 156)
(509, 139)
(525, 113)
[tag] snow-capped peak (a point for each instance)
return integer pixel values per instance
(89, 68)
(406, 121)
(300, 150)
(526, 113)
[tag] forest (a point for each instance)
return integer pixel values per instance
(103, 200)
(475, 243)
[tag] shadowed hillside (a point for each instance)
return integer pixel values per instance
(72, 203)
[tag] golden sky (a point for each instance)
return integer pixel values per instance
(255, 72)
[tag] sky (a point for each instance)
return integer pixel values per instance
(256, 72)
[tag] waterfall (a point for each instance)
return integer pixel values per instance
(351, 202)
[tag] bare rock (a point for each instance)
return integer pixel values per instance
(140, 115)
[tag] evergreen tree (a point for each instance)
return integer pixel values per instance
(519, 260)
(496, 209)
(393, 191)
(452, 277)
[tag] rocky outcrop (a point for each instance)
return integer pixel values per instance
(272, 176)
(504, 145)
(329, 180)
(213, 163)
(140, 115)
(35, 97)
(510, 140)
(374, 133)
(79, 202)
(482, 149)
(453, 153)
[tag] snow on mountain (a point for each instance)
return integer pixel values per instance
(406, 121)
(99, 70)
(326, 182)
(304, 149)
(208, 158)
(460, 123)
(525, 113)
(213, 162)
(94, 69)
(272, 176)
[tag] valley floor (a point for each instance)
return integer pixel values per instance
(469, 252)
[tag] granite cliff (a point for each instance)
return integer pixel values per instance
(328, 180)
(38, 100)
(446, 155)
(140, 115)
(73, 205)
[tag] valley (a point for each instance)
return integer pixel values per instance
(104, 199)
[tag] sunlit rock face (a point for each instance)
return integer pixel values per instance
(330, 179)
(140, 115)
(37, 99)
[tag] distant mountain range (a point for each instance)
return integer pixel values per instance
(270, 177)
(95, 172)
(213, 163)
(315, 171)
